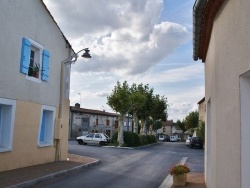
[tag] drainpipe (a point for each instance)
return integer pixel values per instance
(64, 81)
(197, 25)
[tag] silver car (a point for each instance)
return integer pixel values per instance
(93, 138)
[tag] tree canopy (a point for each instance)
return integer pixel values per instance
(139, 101)
(192, 120)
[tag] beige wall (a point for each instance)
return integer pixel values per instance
(25, 151)
(227, 58)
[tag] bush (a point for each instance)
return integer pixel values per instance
(133, 139)
(151, 139)
(143, 139)
(114, 138)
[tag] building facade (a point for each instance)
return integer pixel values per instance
(33, 126)
(84, 121)
(221, 41)
(202, 110)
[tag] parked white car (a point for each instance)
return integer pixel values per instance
(93, 138)
(173, 139)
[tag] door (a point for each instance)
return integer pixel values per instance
(85, 126)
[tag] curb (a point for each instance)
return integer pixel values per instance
(54, 175)
(168, 182)
(120, 147)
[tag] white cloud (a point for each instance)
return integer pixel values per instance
(127, 41)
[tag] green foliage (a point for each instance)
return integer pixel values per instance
(181, 124)
(114, 137)
(151, 139)
(132, 139)
(143, 139)
(119, 98)
(201, 130)
(179, 169)
(159, 108)
(192, 120)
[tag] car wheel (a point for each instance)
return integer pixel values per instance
(101, 143)
(80, 142)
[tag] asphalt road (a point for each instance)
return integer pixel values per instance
(134, 168)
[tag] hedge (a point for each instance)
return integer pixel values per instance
(132, 139)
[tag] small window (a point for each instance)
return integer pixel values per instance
(7, 116)
(96, 121)
(107, 122)
(46, 130)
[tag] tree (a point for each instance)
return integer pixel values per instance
(201, 130)
(119, 102)
(159, 109)
(192, 120)
(145, 111)
(137, 99)
(181, 124)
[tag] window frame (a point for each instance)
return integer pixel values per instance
(38, 48)
(48, 130)
(8, 134)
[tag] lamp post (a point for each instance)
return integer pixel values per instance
(64, 97)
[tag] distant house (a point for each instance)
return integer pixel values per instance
(222, 42)
(202, 109)
(84, 121)
(166, 128)
(33, 111)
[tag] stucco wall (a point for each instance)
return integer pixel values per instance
(25, 151)
(30, 19)
(227, 58)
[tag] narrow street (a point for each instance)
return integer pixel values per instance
(142, 167)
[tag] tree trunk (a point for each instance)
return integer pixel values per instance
(120, 130)
(142, 132)
(135, 122)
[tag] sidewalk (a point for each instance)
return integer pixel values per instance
(194, 180)
(28, 176)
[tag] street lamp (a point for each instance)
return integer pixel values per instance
(64, 95)
(73, 58)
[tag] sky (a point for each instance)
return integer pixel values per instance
(140, 41)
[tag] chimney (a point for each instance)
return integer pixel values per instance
(77, 105)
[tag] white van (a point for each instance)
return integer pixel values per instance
(173, 139)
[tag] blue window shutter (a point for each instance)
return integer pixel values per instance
(45, 69)
(42, 131)
(25, 56)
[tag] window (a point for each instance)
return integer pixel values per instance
(7, 116)
(34, 60)
(107, 122)
(96, 121)
(46, 129)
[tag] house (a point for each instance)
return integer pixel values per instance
(202, 109)
(84, 121)
(166, 128)
(222, 43)
(33, 104)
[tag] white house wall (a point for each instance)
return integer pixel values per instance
(227, 58)
(28, 18)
